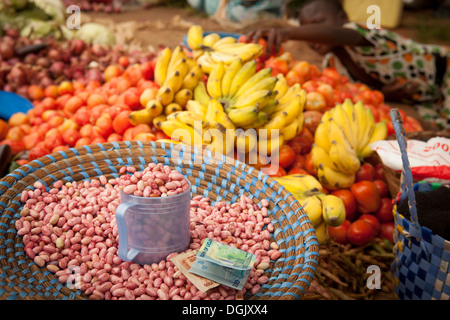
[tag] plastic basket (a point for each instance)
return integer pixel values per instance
(216, 177)
(421, 258)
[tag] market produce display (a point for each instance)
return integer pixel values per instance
(315, 123)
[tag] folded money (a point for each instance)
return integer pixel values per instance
(223, 264)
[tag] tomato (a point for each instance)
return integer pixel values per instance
(277, 66)
(360, 232)
(315, 101)
(309, 165)
(38, 151)
(349, 202)
(4, 127)
(302, 68)
(70, 136)
(373, 221)
(148, 69)
(293, 77)
(339, 234)
(310, 86)
(161, 135)
(333, 75)
(382, 188)
(327, 92)
(299, 162)
(286, 156)
(300, 144)
(298, 171)
(280, 172)
(121, 122)
(379, 172)
(367, 196)
(365, 172)
(384, 212)
(387, 231)
(17, 146)
(312, 120)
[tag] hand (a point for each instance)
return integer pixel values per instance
(400, 90)
(274, 37)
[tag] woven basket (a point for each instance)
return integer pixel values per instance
(216, 177)
(393, 177)
(421, 267)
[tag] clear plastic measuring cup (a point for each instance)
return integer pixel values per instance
(150, 228)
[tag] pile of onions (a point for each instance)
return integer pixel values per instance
(96, 6)
(57, 62)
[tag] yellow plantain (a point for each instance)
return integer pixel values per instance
(253, 80)
(161, 65)
(214, 83)
(229, 75)
(247, 70)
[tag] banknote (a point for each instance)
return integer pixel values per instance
(183, 262)
(223, 264)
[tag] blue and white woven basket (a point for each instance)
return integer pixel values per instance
(215, 177)
(421, 267)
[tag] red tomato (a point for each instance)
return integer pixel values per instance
(365, 172)
(315, 101)
(384, 212)
(339, 234)
(298, 171)
(299, 162)
(38, 151)
(379, 172)
(280, 172)
(382, 187)
(309, 166)
(373, 221)
(360, 232)
(286, 156)
(277, 65)
(367, 196)
(387, 231)
(349, 202)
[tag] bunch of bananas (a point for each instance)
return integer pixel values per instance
(256, 100)
(211, 49)
(342, 140)
(177, 75)
(322, 209)
(201, 125)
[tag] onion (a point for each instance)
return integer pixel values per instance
(98, 50)
(17, 76)
(6, 50)
(13, 33)
(30, 58)
(77, 46)
(94, 75)
(45, 82)
(57, 69)
(43, 62)
(54, 54)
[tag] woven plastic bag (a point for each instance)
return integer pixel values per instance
(421, 267)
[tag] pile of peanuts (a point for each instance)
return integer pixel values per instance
(71, 230)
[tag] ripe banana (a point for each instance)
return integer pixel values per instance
(200, 94)
(183, 96)
(162, 62)
(321, 137)
(291, 130)
(196, 107)
(256, 99)
(344, 158)
(158, 120)
(301, 185)
(379, 133)
(214, 107)
(229, 75)
(253, 80)
(192, 78)
(333, 209)
(195, 37)
(333, 179)
(322, 232)
(140, 116)
(246, 141)
(340, 117)
(313, 208)
(188, 117)
(247, 70)
(320, 156)
(165, 95)
(180, 131)
(206, 62)
(154, 107)
(270, 145)
(243, 116)
(281, 86)
(214, 83)
(222, 41)
(177, 55)
(171, 108)
(210, 39)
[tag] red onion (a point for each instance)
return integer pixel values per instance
(77, 46)
(98, 50)
(6, 50)
(54, 54)
(30, 58)
(17, 76)
(57, 69)
(94, 75)
(43, 62)
(13, 33)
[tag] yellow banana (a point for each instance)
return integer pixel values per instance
(379, 133)
(291, 109)
(155, 107)
(206, 62)
(200, 94)
(361, 120)
(165, 95)
(140, 116)
(177, 55)
(311, 183)
(243, 116)
(340, 117)
(344, 158)
(333, 179)
(270, 145)
(222, 41)
(174, 81)
(192, 78)
(253, 80)
(313, 208)
(158, 120)
(214, 107)
(261, 120)
(247, 70)
(210, 39)
(276, 122)
(214, 83)
(191, 62)
(195, 37)
(246, 141)
(171, 108)
(290, 93)
(368, 130)
(229, 75)
(222, 117)
(196, 107)
(161, 65)
(183, 96)
(291, 130)
(256, 99)
(322, 232)
(187, 117)
(179, 131)
(281, 86)
(321, 134)
(320, 156)
(250, 51)
(333, 209)
(225, 58)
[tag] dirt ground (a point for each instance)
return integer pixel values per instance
(147, 29)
